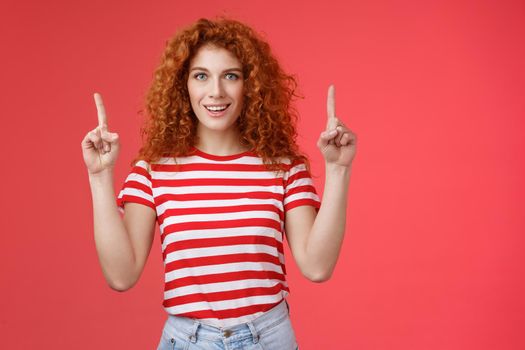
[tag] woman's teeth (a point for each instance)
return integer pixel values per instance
(216, 108)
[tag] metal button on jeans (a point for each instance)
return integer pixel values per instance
(227, 333)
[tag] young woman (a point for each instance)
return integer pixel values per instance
(222, 175)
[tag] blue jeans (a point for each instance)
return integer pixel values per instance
(270, 331)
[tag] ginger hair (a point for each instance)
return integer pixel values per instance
(267, 123)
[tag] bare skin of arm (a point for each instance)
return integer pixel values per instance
(123, 243)
(315, 239)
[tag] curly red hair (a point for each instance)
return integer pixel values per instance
(267, 121)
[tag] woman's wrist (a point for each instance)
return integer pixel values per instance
(338, 170)
(101, 176)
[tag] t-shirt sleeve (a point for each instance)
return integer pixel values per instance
(137, 188)
(299, 187)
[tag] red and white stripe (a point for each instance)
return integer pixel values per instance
(221, 221)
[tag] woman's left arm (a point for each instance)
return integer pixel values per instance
(315, 240)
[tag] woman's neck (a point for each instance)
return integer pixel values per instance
(220, 143)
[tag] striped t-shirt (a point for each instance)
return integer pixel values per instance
(221, 221)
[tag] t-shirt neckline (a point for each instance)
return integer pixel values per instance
(203, 154)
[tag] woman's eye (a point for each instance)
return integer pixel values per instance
(232, 76)
(200, 76)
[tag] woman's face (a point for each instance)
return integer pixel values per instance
(215, 86)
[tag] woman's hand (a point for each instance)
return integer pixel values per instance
(337, 143)
(100, 147)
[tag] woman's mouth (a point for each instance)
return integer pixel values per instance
(216, 110)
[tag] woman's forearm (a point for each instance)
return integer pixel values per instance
(326, 236)
(114, 248)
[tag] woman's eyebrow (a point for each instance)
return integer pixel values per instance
(226, 70)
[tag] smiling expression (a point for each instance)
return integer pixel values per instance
(215, 87)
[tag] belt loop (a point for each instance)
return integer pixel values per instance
(254, 332)
(193, 336)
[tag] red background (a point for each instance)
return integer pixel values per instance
(433, 256)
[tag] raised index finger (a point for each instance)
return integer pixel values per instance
(330, 108)
(101, 110)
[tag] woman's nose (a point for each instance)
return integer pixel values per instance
(216, 89)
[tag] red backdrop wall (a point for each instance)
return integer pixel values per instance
(433, 255)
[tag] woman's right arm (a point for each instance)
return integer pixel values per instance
(123, 244)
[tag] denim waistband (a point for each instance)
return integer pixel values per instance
(195, 329)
